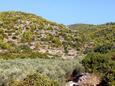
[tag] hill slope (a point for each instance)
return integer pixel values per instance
(97, 35)
(25, 35)
(99, 50)
(24, 31)
(20, 32)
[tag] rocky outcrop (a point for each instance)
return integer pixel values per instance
(83, 79)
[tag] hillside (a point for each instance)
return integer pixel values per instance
(33, 49)
(25, 32)
(22, 32)
(95, 35)
(38, 52)
(99, 50)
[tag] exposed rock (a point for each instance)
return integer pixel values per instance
(84, 79)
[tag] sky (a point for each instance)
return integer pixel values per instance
(65, 11)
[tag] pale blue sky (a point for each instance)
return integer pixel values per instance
(65, 11)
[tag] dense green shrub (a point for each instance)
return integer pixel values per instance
(35, 80)
(27, 36)
(56, 41)
(103, 48)
(96, 62)
(102, 64)
(4, 45)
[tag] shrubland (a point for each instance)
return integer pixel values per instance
(18, 69)
(39, 52)
(102, 64)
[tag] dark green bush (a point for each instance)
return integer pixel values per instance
(103, 48)
(102, 64)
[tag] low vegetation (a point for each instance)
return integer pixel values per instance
(18, 69)
(35, 49)
(103, 64)
(34, 80)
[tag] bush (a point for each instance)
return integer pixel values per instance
(27, 36)
(56, 42)
(35, 80)
(4, 45)
(18, 69)
(102, 64)
(103, 48)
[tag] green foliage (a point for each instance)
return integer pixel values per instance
(19, 29)
(23, 48)
(4, 45)
(102, 64)
(24, 54)
(27, 36)
(65, 49)
(18, 69)
(96, 62)
(25, 27)
(1, 31)
(35, 80)
(1, 37)
(56, 41)
(103, 48)
(99, 35)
